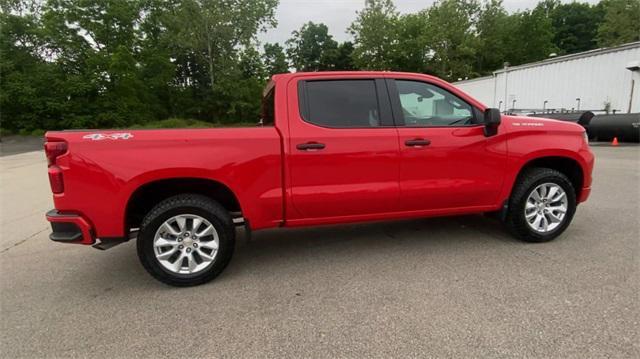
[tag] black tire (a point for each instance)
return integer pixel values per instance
(186, 204)
(526, 183)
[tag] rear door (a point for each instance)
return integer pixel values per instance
(446, 161)
(343, 148)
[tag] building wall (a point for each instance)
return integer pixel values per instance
(596, 77)
(481, 89)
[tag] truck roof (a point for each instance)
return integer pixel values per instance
(285, 76)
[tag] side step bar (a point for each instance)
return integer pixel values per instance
(238, 220)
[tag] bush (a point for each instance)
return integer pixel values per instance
(188, 123)
(38, 132)
(6, 132)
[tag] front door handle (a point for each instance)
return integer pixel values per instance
(310, 146)
(417, 142)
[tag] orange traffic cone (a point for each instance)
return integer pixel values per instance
(614, 142)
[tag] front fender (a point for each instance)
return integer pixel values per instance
(527, 147)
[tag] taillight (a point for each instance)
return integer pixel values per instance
(55, 179)
(53, 150)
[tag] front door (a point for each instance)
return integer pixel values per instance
(343, 149)
(446, 161)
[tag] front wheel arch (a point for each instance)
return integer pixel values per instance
(568, 166)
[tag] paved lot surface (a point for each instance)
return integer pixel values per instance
(454, 287)
(11, 145)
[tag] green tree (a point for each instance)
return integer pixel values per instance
(413, 50)
(493, 30)
(240, 90)
(375, 35)
(452, 42)
(343, 58)
(96, 43)
(30, 92)
(531, 37)
(621, 22)
(275, 59)
(311, 48)
(574, 24)
(214, 30)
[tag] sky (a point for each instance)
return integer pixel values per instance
(339, 14)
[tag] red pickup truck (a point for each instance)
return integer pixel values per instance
(331, 147)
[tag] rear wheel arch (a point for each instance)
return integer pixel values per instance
(148, 195)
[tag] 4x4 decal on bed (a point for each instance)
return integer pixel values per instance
(110, 136)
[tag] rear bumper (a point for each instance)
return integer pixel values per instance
(69, 228)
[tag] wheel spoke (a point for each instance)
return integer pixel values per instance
(554, 218)
(552, 192)
(209, 244)
(166, 255)
(559, 208)
(177, 265)
(181, 223)
(536, 222)
(191, 262)
(196, 224)
(558, 197)
(543, 191)
(206, 232)
(162, 242)
(169, 229)
(536, 196)
(205, 256)
(545, 223)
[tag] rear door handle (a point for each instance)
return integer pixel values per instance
(313, 146)
(417, 142)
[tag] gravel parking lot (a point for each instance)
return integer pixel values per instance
(444, 287)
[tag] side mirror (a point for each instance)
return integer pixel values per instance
(491, 121)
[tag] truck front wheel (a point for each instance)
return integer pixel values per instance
(186, 240)
(541, 206)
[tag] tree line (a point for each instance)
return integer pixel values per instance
(116, 63)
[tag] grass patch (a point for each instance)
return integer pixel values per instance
(38, 132)
(6, 132)
(167, 123)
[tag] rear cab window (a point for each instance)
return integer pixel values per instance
(268, 108)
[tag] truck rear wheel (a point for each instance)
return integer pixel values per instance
(541, 206)
(186, 240)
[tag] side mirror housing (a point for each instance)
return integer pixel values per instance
(491, 121)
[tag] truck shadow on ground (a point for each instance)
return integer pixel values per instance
(277, 252)
(342, 242)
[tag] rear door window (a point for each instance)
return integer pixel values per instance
(340, 103)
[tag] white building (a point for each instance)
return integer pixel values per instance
(587, 81)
